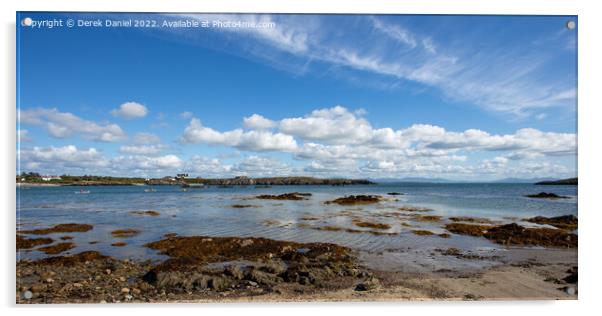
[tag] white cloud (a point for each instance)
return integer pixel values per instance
(146, 138)
(512, 81)
(429, 46)
(186, 115)
(168, 163)
(130, 110)
(207, 167)
(62, 158)
(256, 166)
(64, 124)
(395, 32)
(142, 149)
(334, 125)
(257, 121)
(282, 33)
(196, 133)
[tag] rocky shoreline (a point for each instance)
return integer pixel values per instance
(90, 277)
(199, 267)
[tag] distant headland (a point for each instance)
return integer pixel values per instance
(570, 181)
(34, 179)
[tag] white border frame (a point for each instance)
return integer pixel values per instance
(590, 24)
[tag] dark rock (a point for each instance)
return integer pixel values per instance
(544, 195)
(356, 199)
(371, 283)
(572, 277)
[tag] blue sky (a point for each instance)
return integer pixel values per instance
(460, 97)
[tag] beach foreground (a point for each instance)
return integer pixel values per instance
(348, 247)
(265, 270)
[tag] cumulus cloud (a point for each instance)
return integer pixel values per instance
(64, 124)
(130, 110)
(262, 167)
(146, 138)
(60, 158)
(167, 163)
(207, 167)
(196, 133)
(142, 149)
(257, 121)
(336, 140)
(333, 125)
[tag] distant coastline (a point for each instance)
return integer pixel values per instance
(183, 181)
(570, 181)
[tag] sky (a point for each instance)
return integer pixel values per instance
(358, 96)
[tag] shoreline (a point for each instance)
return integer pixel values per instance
(529, 276)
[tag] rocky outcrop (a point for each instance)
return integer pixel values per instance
(544, 195)
(355, 199)
(514, 234)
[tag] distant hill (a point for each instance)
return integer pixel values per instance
(443, 180)
(414, 180)
(570, 181)
(522, 180)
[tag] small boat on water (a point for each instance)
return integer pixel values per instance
(150, 190)
(82, 191)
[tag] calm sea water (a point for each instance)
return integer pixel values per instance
(208, 212)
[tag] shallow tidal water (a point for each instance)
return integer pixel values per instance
(209, 212)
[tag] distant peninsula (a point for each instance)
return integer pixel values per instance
(570, 181)
(35, 179)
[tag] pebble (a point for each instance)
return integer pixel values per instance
(122, 279)
(108, 271)
(49, 280)
(103, 302)
(77, 285)
(27, 295)
(569, 290)
(125, 290)
(136, 291)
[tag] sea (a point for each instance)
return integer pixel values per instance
(209, 211)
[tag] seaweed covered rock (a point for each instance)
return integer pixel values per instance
(567, 222)
(28, 243)
(514, 234)
(262, 261)
(544, 195)
(294, 196)
(60, 228)
(355, 199)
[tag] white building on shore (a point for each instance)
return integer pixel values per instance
(48, 178)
